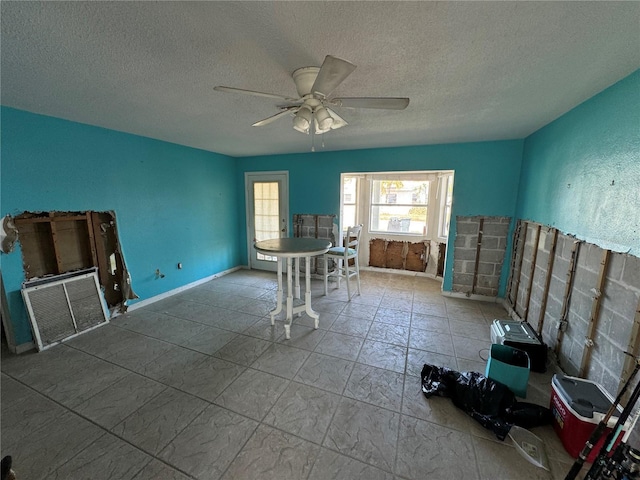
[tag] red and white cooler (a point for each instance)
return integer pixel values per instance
(578, 406)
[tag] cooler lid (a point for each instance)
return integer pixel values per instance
(581, 395)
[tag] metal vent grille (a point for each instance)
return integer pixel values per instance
(61, 309)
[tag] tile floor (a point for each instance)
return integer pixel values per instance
(200, 385)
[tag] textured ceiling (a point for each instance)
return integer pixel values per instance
(473, 70)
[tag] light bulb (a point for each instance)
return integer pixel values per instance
(302, 120)
(323, 119)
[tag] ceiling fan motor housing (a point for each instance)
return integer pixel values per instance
(304, 79)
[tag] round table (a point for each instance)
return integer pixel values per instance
(290, 248)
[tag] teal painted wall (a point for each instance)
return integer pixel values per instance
(581, 173)
(172, 203)
(486, 179)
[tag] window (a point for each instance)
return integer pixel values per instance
(399, 206)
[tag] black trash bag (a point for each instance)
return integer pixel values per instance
(528, 415)
(488, 402)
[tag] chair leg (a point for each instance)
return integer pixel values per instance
(326, 275)
(346, 276)
(357, 265)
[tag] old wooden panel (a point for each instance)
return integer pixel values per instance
(73, 243)
(394, 257)
(417, 257)
(377, 253)
(38, 255)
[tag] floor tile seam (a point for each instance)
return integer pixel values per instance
(377, 340)
(357, 459)
(128, 370)
(359, 362)
(152, 360)
(104, 429)
(193, 321)
(404, 381)
(82, 449)
(167, 385)
(343, 396)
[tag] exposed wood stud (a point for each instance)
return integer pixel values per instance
(519, 270)
(516, 244)
(56, 247)
(547, 282)
(633, 350)
(477, 262)
(567, 294)
(595, 313)
(92, 243)
(534, 256)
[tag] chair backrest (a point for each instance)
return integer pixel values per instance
(352, 239)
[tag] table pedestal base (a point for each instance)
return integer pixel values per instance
(291, 310)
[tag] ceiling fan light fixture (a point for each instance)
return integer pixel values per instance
(323, 119)
(302, 120)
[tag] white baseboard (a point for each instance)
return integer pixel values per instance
(170, 293)
(23, 347)
(401, 272)
(472, 296)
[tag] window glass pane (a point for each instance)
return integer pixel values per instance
(407, 192)
(398, 219)
(348, 216)
(266, 214)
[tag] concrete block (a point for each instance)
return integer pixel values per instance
(465, 228)
(497, 230)
(492, 256)
(584, 280)
(489, 243)
(485, 268)
(458, 266)
(502, 243)
(463, 279)
(461, 241)
(489, 292)
(621, 300)
(631, 272)
(616, 265)
(464, 254)
(619, 329)
(590, 257)
(487, 281)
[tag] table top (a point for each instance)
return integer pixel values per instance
(293, 247)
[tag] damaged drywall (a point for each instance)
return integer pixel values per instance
(53, 243)
(581, 298)
(478, 254)
(8, 234)
(399, 255)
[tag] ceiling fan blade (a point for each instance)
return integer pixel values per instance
(338, 121)
(387, 103)
(332, 72)
(221, 88)
(283, 113)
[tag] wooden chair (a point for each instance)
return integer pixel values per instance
(341, 257)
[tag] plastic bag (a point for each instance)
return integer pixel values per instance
(488, 402)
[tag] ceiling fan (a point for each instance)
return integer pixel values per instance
(313, 111)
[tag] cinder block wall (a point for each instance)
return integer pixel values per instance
(574, 288)
(477, 266)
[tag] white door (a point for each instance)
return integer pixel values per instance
(267, 213)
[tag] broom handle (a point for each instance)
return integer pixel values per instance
(597, 433)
